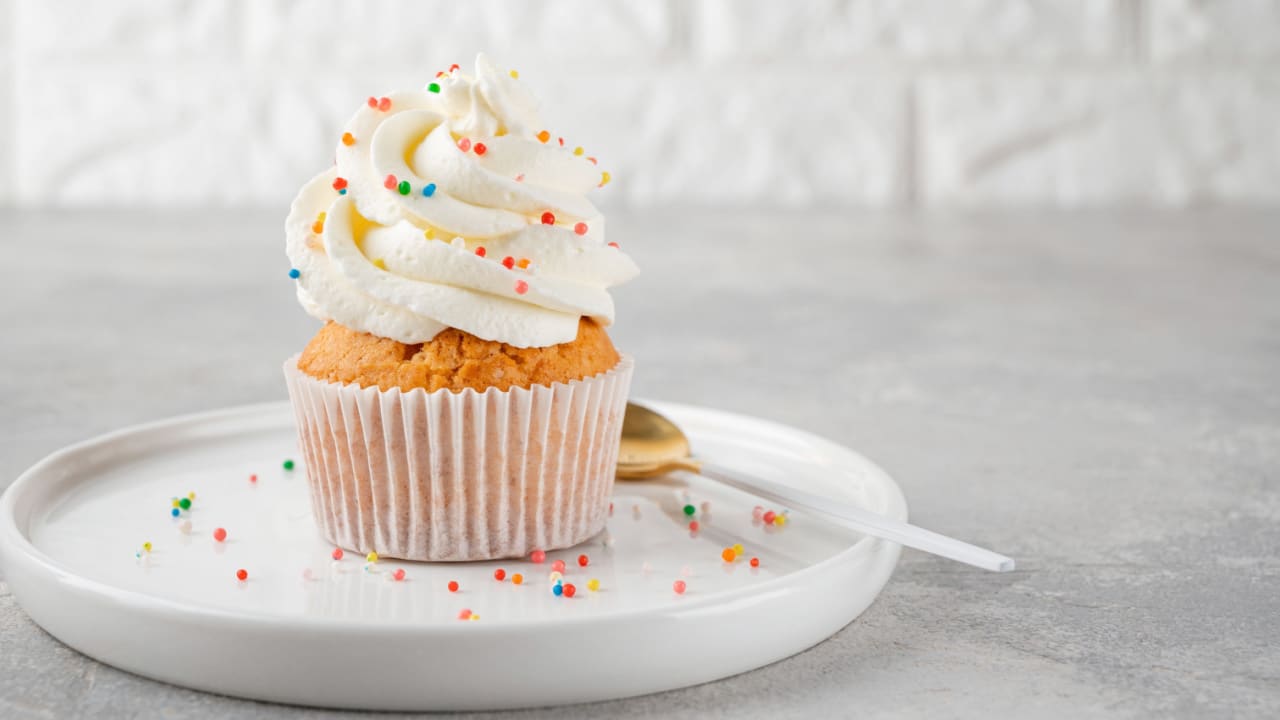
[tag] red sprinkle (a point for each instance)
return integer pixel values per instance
(537, 556)
(453, 586)
(373, 102)
(398, 574)
(219, 534)
(593, 160)
(561, 141)
(480, 251)
(583, 560)
(384, 104)
(339, 183)
(678, 586)
(480, 148)
(509, 262)
(613, 244)
(569, 590)
(580, 228)
(453, 67)
(390, 183)
(499, 574)
(522, 287)
(558, 566)
(755, 562)
(464, 614)
(242, 574)
(693, 526)
(337, 554)
(464, 144)
(548, 219)
(768, 517)
(253, 478)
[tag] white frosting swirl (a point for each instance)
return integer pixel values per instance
(388, 240)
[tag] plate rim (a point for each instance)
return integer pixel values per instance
(16, 545)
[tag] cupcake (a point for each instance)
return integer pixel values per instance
(463, 400)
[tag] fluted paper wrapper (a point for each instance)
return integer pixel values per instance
(473, 475)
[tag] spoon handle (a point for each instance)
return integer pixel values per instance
(864, 521)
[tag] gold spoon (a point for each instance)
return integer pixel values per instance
(652, 445)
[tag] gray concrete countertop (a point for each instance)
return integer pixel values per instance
(1097, 395)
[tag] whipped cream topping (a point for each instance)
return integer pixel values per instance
(453, 207)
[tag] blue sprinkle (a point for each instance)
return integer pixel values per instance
(175, 512)
(557, 590)
(293, 273)
(429, 190)
(343, 191)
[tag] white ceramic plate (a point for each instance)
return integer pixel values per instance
(351, 636)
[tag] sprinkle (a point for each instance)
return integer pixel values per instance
(348, 139)
(336, 554)
(191, 495)
(339, 183)
(558, 566)
(371, 557)
(593, 160)
(317, 227)
(390, 182)
(384, 104)
(433, 87)
(614, 245)
(175, 502)
(380, 263)
(520, 177)
(146, 546)
(593, 584)
(583, 560)
(705, 506)
(429, 190)
(728, 555)
(184, 503)
(464, 144)
(480, 251)
(678, 586)
(738, 549)
(373, 102)
(185, 527)
(578, 150)
(580, 228)
(780, 519)
(219, 534)
(475, 616)
(522, 287)
(561, 141)
(548, 219)
(480, 148)
(690, 510)
(544, 136)
(253, 478)
(242, 574)
(429, 233)
(175, 512)
(537, 556)
(288, 465)
(768, 517)
(569, 590)
(453, 67)
(557, 590)
(605, 177)
(453, 586)
(755, 562)
(464, 614)
(514, 75)
(508, 262)
(398, 575)
(403, 187)
(757, 512)
(293, 273)
(523, 263)
(555, 576)
(693, 526)
(517, 579)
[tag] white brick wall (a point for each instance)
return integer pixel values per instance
(966, 103)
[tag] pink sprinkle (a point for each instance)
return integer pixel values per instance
(253, 478)
(580, 228)
(693, 526)
(558, 566)
(522, 287)
(757, 512)
(373, 102)
(384, 104)
(520, 177)
(390, 183)
(337, 554)
(219, 534)
(678, 586)
(593, 160)
(464, 144)
(398, 574)
(464, 614)
(537, 556)
(613, 244)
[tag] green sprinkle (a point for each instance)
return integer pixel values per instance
(433, 87)
(184, 503)
(403, 187)
(689, 510)
(288, 464)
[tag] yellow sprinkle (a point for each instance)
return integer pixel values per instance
(779, 519)
(371, 557)
(475, 616)
(176, 503)
(605, 177)
(146, 546)
(578, 150)
(515, 74)
(737, 548)
(191, 496)
(430, 233)
(380, 263)
(593, 584)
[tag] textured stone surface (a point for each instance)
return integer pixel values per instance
(1087, 140)
(1192, 30)
(915, 29)
(1094, 394)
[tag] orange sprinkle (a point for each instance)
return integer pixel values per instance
(728, 554)
(544, 136)
(517, 579)
(348, 139)
(523, 263)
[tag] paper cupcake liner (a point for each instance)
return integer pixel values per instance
(473, 475)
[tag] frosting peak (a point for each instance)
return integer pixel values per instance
(453, 207)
